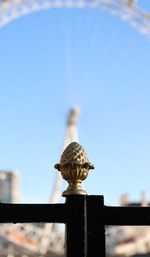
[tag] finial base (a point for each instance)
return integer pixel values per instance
(74, 192)
(74, 188)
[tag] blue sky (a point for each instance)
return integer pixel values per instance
(54, 59)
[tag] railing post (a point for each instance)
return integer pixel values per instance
(95, 226)
(76, 229)
(74, 167)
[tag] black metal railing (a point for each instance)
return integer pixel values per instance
(85, 218)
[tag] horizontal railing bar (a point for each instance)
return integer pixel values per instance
(124, 216)
(58, 213)
(24, 213)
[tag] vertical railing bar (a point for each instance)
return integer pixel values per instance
(95, 226)
(76, 229)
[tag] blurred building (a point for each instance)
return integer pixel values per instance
(9, 187)
(143, 202)
(129, 241)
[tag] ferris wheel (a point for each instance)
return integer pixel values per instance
(39, 240)
(128, 10)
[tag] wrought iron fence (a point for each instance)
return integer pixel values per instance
(85, 216)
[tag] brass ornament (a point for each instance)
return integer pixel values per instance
(74, 167)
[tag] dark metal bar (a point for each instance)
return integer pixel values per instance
(127, 216)
(95, 226)
(76, 232)
(20, 213)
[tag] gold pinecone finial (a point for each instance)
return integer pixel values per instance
(74, 167)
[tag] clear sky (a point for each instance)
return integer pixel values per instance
(54, 59)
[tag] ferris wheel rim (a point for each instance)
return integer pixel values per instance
(127, 10)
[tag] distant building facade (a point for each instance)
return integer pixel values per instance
(9, 187)
(125, 201)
